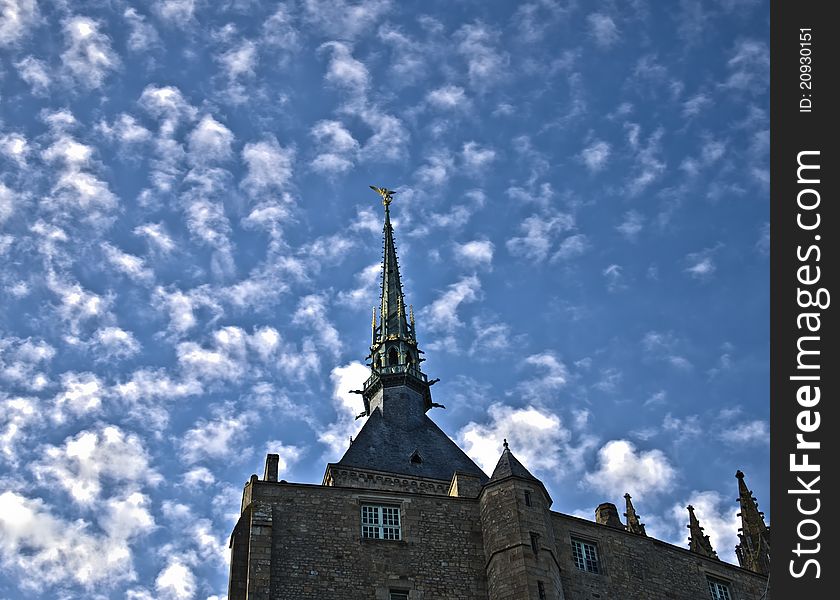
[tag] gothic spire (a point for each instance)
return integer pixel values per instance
(697, 541)
(753, 551)
(634, 525)
(393, 349)
(392, 317)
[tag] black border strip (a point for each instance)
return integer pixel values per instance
(804, 103)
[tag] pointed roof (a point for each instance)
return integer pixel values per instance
(509, 466)
(698, 542)
(419, 449)
(634, 524)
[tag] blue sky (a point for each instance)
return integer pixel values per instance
(189, 256)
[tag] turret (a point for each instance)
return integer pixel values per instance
(519, 543)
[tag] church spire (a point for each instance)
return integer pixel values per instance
(634, 524)
(393, 349)
(753, 551)
(697, 541)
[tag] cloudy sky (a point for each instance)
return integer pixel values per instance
(189, 256)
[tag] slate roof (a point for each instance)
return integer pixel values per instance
(387, 445)
(509, 466)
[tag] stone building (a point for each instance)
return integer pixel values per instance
(407, 515)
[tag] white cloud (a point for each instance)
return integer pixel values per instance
(82, 394)
(695, 105)
(167, 103)
(485, 63)
(491, 339)
(622, 468)
(7, 202)
(603, 29)
(749, 66)
(32, 537)
(113, 342)
(289, 455)
(631, 226)
(83, 462)
(701, 265)
(442, 314)
(537, 437)
(142, 35)
(343, 19)
(176, 581)
(88, 55)
(437, 169)
(337, 147)
(18, 413)
(553, 376)
(218, 438)
(595, 155)
(312, 312)
(240, 61)
(178, 12)
(475, 253)
(364, 295)
(210, 141)
(344, 71)
(34, 72)
(389, 142)
(539, 233)
(448, 97)
(748, 433)
(17, 17)
(125, 129)
(269, 165)
(128, 264)
(336, 435)
(475, 157)
(15, 147)
(78, 305)
(157, 236)
(572, 246)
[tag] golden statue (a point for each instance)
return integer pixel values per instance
(385, 193)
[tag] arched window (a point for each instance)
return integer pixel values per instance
(378, 362)
(409, 358)
(393, 357)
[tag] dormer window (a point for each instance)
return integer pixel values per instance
(416, 459)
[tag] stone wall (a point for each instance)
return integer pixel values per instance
(317, 550)
(299, 541)
(637, 567)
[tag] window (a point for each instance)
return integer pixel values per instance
(398, 595)
(380, 522)
(527, 498)
(585, 555)
(719, 589)
(541, 590)
(393, 357)
(535, 542)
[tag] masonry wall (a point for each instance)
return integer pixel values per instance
(317, 550)
(298, 541)
(636, 567)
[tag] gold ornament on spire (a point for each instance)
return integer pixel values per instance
(385, 193)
